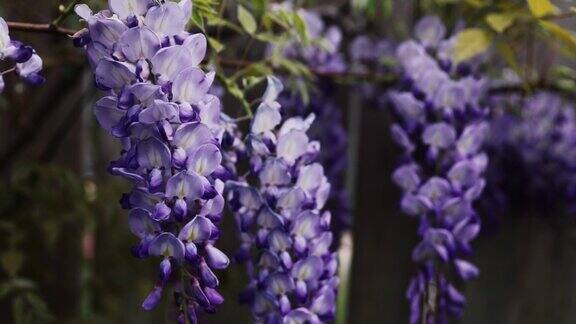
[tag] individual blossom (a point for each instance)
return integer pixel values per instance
(285, 234)
(172, 131)
(26, 63)
(441, 127)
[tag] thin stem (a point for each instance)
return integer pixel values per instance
(39, 28)
(8, 71)
(65, 13)
(562, 15)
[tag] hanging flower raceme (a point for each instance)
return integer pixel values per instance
(158, 104)
(533, 144)
(323, 55)
(27, 64)
(285, 234)
(441, 128)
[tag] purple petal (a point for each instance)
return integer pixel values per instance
(463, 174)
(279, 284)
(210, 110)
(196, 44)
(185, 185)
(273, 90)
(269, 219)
(430, 31)
(466, 270)
(106, 31)
(292, 145)
(167, 245)
(306, 225)
(152, 153)
(30, 67)
(198, 230)
(310, 177)
(205, 159)
(439, 135)
(127, 8)
(436, 190)
(112, 74)
(139, 43)
(107, 113)
(141, 224)
(191, 85)
(159, 110)
(216, 258)
(190, 136)
(4, 35)
(170, 61)
(153, 298)
(308, 269)
(472, 139)
(166, 19)
(265, 119)
(274, 173)
(406, 177)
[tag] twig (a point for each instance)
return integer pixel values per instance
(562, 15)
(65, 13)
(40, 28)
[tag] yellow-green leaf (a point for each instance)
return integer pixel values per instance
(215, 44)
(541, 8)
(500, 21)
(509, 56)
(561, 33)
(246, 19)
(11, 262)
(471, 42)
(300, 25)
(477, 3)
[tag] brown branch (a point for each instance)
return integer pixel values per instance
(40, 28)
(234, 63)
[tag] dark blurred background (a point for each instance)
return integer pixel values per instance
(65, 245)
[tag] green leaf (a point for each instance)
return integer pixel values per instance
(12, 261)
(198, 19)
(477, 3)
(507, 53)
(215, 44)
(500, 21)
(541, 8)
(295, 68)
(300, 25)
(260, 7)
(217, 21)
(237, 93)
(251, 81)
(246, 19)
(471, 42)
(561, 33)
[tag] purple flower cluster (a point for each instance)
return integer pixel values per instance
(158, 104)
(28, 64)
(285, 235)
(441, 128)
(533, 144)
(323, 54)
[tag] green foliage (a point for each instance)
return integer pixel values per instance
(246, 19)
(470, 43)
(541, 8)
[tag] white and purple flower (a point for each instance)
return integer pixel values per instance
(285, 233)
(157, 103)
